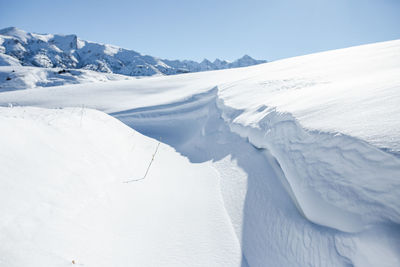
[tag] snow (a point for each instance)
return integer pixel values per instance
(303, 154)
(16, 77)
(63, 196)
(68, 51)
(6, 60)
(336, 91)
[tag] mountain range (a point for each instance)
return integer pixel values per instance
(18, 47)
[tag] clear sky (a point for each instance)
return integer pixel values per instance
(228, 29)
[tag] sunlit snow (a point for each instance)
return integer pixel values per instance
(290, 163)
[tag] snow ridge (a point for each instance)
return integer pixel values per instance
(328, 171)
(68, 51)
(334, 180)
(194, 127)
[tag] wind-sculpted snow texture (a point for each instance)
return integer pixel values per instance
(68, 51)
(310, 162)
(306, 150)
(334, 180)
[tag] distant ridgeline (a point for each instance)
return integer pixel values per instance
(18, 47)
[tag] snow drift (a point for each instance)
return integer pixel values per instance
(305, 151)
(64, 196)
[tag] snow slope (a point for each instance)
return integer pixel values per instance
(306, 149)
(68, 51)
(64, 196)
(22, 77)
(6, 60)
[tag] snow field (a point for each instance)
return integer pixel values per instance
(63, 196)
(21, 78)
(299, 160)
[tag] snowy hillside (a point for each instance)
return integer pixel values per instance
(22, 77)
(64, 196)
(303, 154)
(68, 51)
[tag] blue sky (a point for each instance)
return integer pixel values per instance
(269, 29)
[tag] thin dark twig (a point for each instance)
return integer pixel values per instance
(148, 167)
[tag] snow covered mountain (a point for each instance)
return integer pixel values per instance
(291, 163)
(68, 51)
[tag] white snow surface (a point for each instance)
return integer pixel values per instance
(6, 60)
(305, 150)
(64, 196)
(21, 77)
